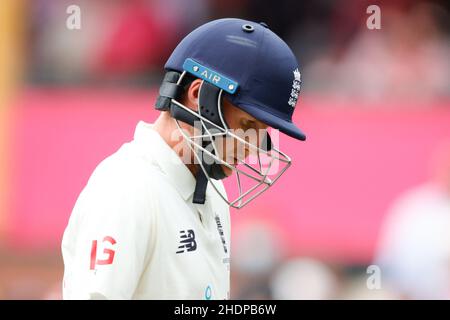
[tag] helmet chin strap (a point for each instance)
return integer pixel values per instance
(215, 171)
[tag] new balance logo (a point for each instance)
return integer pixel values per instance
(187, 241)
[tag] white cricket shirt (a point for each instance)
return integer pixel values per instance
(134, 232)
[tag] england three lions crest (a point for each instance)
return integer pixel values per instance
(295, 88)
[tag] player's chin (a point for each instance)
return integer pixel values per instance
(228, 171)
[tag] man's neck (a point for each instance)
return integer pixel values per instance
(166, 127)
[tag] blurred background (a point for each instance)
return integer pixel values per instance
(364, 212)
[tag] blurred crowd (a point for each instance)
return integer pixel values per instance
(128, 42)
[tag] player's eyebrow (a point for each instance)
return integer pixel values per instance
(248, 123)
(254, 123)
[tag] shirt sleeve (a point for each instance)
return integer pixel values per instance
(111, 235)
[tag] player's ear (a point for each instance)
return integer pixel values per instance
(192, 94)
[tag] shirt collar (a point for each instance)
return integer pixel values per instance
(166, 159)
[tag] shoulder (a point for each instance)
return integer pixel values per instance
(123, 183)
(126, 169)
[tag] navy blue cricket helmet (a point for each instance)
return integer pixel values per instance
(255, 67)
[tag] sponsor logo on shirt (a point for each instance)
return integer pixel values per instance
(222, 236)
(108, 252)
(187, 241)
